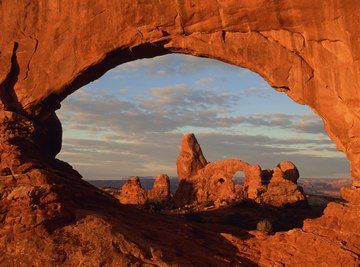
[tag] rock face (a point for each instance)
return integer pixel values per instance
(289, 170)
(281, 188)
(161, 189)
(190, 159)
(214, 181)
(49, 49)
(211, 183)
(132, 192)
(288, 49)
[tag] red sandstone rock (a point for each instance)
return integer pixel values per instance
(289, 170)
(253, 182)
(49, 216)
(214, 182)
(161, 189)
(275, 187)
(190, 159)
(132, 192)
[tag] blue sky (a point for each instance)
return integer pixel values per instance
(130, 121)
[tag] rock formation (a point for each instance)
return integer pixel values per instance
(214, 181)
(132, 192)
(49, 49)
(280, 189)
(161, 189)
(211, 183)
(190, 159)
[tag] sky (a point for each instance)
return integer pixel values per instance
(131, 120)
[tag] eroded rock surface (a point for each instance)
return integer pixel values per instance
(132, 192)
(49, 49)
(214, 182)
(190, 159)
(277, 187)
(161, 189)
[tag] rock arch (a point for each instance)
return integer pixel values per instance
(49, 49)
(307, 50)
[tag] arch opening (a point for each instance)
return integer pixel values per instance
(119, 109)
(238, 178)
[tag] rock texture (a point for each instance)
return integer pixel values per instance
(161, 189)
(48, 49)
(214, 182)
(132, 192)
(190, 159)
(211, 183)
(281, 189)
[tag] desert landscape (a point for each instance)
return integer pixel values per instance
(51, 216)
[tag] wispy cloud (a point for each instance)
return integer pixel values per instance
(140, 135)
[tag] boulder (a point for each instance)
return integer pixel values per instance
(289, 170)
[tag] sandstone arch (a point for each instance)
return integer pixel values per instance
(307, 50)
(49, 49)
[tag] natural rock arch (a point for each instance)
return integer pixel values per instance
(49, 49)
(307, 50)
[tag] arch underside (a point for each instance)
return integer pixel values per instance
(286, 43)
(306, 49)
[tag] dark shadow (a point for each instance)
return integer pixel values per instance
(185, 193)
(111, 60)
(7, 93)
(247, 214)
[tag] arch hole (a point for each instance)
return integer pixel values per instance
(238, 178)
(130, 121)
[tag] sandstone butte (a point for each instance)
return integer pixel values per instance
(49, 216)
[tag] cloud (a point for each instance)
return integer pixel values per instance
(312, 125)
(157, 153)
(108, 137)
(159, 67)
(168, 65)
(261, 92)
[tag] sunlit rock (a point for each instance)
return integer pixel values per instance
(132, 192)
(161, 189)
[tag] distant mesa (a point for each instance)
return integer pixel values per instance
(202, 182)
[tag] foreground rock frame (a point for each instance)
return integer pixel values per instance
(306, 49)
